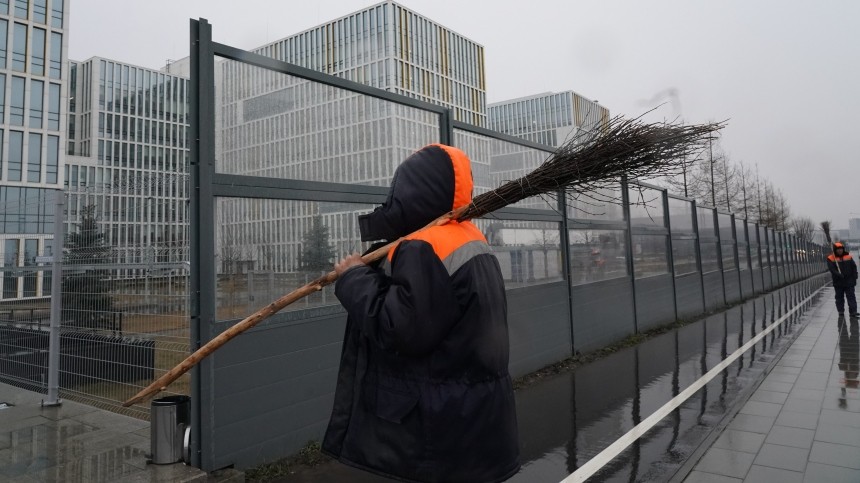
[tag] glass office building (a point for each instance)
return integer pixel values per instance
(33, 73)
(127, 155)
(275, 125)
(549, 118)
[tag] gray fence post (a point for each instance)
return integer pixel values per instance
(670, 252)
(53, 398)
(625, 204)
(564, 241)
(699, 253)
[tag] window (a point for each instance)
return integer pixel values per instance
(56, 67)
(649, 255)
(680, 216)
(16, 106)
(16, 153)
(10, 259)
(529, 253)
(2, 101)
(46, 276)
(710, 260)
(684, 256)
(646, 207)
(40, 10)
(53, 162)
(706, 222)
(21, 8)
(4, 26)
(34, 158)
(19, 48)
(37, 52)
(597, 255)
(37, 93)
(4, 7)
(30, 276)
(54, 107)
(57, 14)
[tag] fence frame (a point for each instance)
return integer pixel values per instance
(207, 185)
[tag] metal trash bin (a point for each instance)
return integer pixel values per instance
(169, 422)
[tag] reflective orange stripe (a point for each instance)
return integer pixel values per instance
(462, 175)
(833, 258)
(446, 238)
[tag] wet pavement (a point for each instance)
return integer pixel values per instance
(566, 420)
(803, 423)
(75, 443)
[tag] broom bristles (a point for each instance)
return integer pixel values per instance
(825, 227)
(621, 147)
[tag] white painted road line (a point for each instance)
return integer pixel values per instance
(604, 457)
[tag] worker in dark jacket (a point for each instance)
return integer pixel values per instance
(844, 272)
(423, 392)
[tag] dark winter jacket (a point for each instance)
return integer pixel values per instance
(423, 391)
(842, 269)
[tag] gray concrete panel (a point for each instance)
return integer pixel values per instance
(270, 338)
(274, 388)
(714, 296)
(655, 304)
(539, 326)
(602, 313)
(271, 435)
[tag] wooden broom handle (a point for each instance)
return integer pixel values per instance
(168, 377)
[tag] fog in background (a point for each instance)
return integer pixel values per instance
(784, 73)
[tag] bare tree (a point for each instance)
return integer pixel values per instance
(803, 228)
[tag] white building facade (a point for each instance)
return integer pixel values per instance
(33, 73)
(550, 118)
(274, 125)
(127, 157)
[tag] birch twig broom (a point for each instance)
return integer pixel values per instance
(620, 147)
(825, 227)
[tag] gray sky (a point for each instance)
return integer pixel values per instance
(785, 73)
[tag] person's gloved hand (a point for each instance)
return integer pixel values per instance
(348, 262)
(372, 248)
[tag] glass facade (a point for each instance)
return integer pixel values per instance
(31, 107)
(549, 119)
(529, 252)
(127, 155)
(392, 48)
(646, 207)
(275, 125)
(650, 255)
(597, 255)
(727, 241)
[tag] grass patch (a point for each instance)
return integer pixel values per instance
(309, 456)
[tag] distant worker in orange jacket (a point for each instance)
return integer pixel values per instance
(844, 272)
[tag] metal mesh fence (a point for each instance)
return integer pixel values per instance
(26, 218)
(124, 317)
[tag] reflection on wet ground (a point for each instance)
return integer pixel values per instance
(74, 443)
(849, 347)
(801, 423)
(566, 420)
